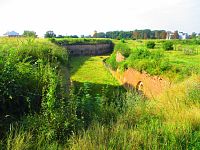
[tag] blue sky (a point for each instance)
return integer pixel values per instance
(85, 16)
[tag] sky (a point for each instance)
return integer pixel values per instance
(70, 17)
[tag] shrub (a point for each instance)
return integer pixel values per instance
(81, 41)
(150, 44)
(123, 49)
(168, 45)
(30, 79)
(111, 61)
(140, 53)
(123, 41)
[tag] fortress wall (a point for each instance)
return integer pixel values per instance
(149, 85)
(89, 49)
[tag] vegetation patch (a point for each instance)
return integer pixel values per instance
(151, 44)
(174, 64)
(80, 41)
(37, 112)
(168, 45)
(91, 69)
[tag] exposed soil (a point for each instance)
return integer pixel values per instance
(119, 57)
(150, 85)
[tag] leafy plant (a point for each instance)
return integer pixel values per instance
(168, 45)
(111, 61)
(123, 48)
(150, 44)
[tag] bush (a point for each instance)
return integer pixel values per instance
(111, 61)
(150, 44)
(123, 49)
(123, 41)
(140, 53)
(168, 45)
(30, 79)
(81, 41)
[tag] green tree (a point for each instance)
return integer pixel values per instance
(29, 33)
(193, 36)
(50, 34)
(176, 35)
(101, 35)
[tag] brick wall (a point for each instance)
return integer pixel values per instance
(89, 50)
(151, 85)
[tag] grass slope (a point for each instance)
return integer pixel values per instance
(91, 69)
(175, 65)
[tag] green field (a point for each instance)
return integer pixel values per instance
(91, 69)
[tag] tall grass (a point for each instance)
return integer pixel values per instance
(165, 123)
(31, 82)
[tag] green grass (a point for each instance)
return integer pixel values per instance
(175, 65)
(168, 122)
(91, 69)
(77, 41)
(106, 119)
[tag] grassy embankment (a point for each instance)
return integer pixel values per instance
(32, 93)
(107, 121)
(78, 41)
(36, 111)
(176, 65)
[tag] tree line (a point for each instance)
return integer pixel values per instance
(136, 34)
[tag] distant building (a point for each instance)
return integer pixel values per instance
(11, 34)
(170, 35)
(183, 36)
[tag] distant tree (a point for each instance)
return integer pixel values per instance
(50, 34)
(101, 35)
(193, 36)
(176, 35)
(163, 35)
(136, 34)
(198, 36)
(88, 36)
(29, 34)
(60, 36)
(73, 36)
(158, 34)
(145, 35)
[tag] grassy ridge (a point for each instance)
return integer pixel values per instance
(80, 41)
(27, 69)
(175, 65)
(32, 88)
